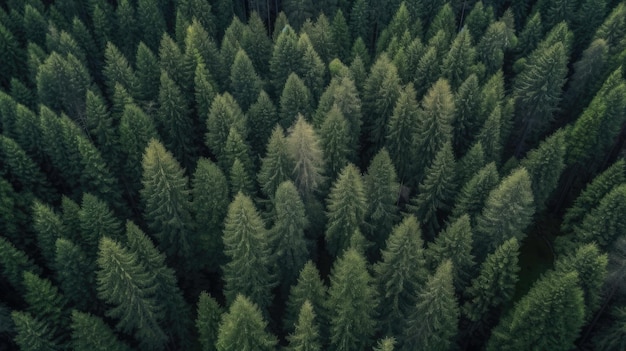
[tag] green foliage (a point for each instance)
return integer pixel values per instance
(548, 317)
(604, 224)
(400, 274)
(207, 321)
(75, 274)
(262, 118)
(224, 114)
(151, 23)
(495, 283)
(117, 70)
(246, 245)
(243, 328)
(45, 303)
(306, 155)
(458, 63)
(308, 288)
(401, 130)
(466, 123)
(432, 322)
(276, 166)
(96, 221)
(48, 227)
(295, 100)
(148, 73)
(497, 40)
(470, 163)
(20, 169)
(245, 84)
(346, 206)
(33, 334)
(473, 195)
(285, 59)
(14, 263)
(352, 302)
(306, 334)
(90, 332)
(312, 68)
(334, 139)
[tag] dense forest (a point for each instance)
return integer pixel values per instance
(312, 175)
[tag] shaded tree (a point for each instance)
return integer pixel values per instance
(208, 321)
(243, 328)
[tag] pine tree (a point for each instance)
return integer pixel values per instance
(491, 136)
(256, 42)
(45, 303)
(346, 206)
(548, 317)
(204, 89)
(200, 11)
(236, 148)
(472, 197)
(243, 328)
(498, 39)
(126, 27)
(117, 70)
(100, 127)
(95, 175)
(128, 288)
(458, 63)
(148, 73)
(308, 288)
(465, 123)
(478, 19)
(359, 19)
(352, 302)
(75, 274)
(224, 114)
(71, 219)
(545, 165)
(295, 100)
(321, 36)
(248, 271)
(401, 132)
(592, 194)
(436, 192)
(306, 156)
(508, 211)
(400, 274)
(286, 238)
(306, 335)
(90, 332)
(443, 19)
(285, 59)
(96, 220)
(245, 84)
(262, 118)
(454, 243)
(151, 23)
(20, 169)
(49, 227)
(210, 202)
(341, 35)
(276, 166)
(165, 196)
(495, 283)
(12, 55)
(432, 324)
(208, 321)
(33, 334)
(312, 69)
(591, 266)
(334, 139)
(381, 191)
(604, 224)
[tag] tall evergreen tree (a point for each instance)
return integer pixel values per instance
(151, 23)
(90, 332)
(224, 114)
(45, 303)
(245, 84)
(295, 100)
(117, 70)
(75, 274)
(165, 196)
(248, 270)
(148, 73)
(276, 166)
(352, 302)
(458, 63)
(306, 335)
(33, 334)
(208, 321)
(308, 288)
(256, 42)
(472, 197)
(312, 70)
(401, 132)
(285, 58)
(96, 221)
(48, 227)
(306, 156)
(243, 328)
(400, 274)
(334, 139)
(262, 118)
(433, 320)
(603, 224)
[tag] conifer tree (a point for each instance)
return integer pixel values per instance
(49, 227)
(385, 344)
(243, 328)
(236, 148)
(308, 288)
(352, 302)
(544, 165)
(117, 70)
(472, 197)
(75, 274)
(465, 122)
(321, 36)
(276, 166)
(45, 303)
(458, 63)
(224, 114)
(401, 132)
(604, 224)
(346, 206)
(262, 118)
(148, 73)
(204, 89)
(432, 323)
(96, 221)
(548, 317)
(592, 194)
(436, 192)
(359, 19)
(126, 27)
(245, 84)
(498, 39)
(208, 321)
(151, 23)
(12, 55)
(100, 127)
(210, 202)
(491, 136)
(256, 42)
(508, 211)
(306, 155)
(400, 274)
(91, 333)
(33, 334)
(128, 288)
(470, 163)
(295, 100)
(71, 220)
(334, 139)
(200, 11)
(248, 270)
(286, 238)
(95, 175)
(381, 191)
(312, 69)
(306, 335)
(20, 169)
(495, 283)
(285, 58)
(454, 243)
(165, 196)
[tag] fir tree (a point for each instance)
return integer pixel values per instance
(33, 334)
(472, 197)
(498, 39)
(334, 139)
(243, 328)
(308, 288)
(151, 23)
(236, 148)
(465, 124)
(262, 118)
(276, 166)
(208, 321)
(306, 335)
(224, 114)
(458, 63)
(604, 224)
(400, 274)
(48, 227)
(256, 42)
(117, 70)
(148, 73)
(96, 221)
(100, 127)
(45, 303)
(352, 302)
(245, 84)
(306, 156)
(312, 69)
(401, 132)
(285, 58)
(75, 274)
(90, 332)
(295, 100)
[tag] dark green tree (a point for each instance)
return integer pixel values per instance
(45, 303)
(432, 322)
(400, 274)
(306, 335)
(334, 141)
(401, 132)
(465, 124)
(603, 224)
(243, 328)
(126, 27)
(308, 288)
(100, 126)
(165, 195)
(248, 271)
(495, 283)
(117, 70)
(306, 155)
(75, 274)
(208, 321)
(224, 114)
(458, 63)
(21, 170)
(205, 89)
(90, 332)
(256, 42)
(472, 197)
(352, 302)
(548, 317)
(33, 334)
(245, 84)
(151, 23)
(96, 221)
(262, 118)
(312, 68)
(341, 35)
(295, 100)
(286, 58)
(470, 163)
(49, 227)
(276, 166)
(148, 73)
(497, 40)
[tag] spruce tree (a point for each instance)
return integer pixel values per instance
(458, 63)
(352, 302)
(204, 89)
(49, 227)
(306, 335)
(224, 114)
(262, 118)
(165, 195)
(465, 122)
(306, 155)
(495, 283)
(148, 73)
(208, 321)
(100, 126)
(285, 58)
(75, 274)
(491, 136)
(470, 163)
(126, 27)
(334, 139)
(548, 317)
(312, 70)
(245, 84)
(21, 170)
(46, 304)
(401, 132)
(128, 288)
(96, 220)
(472, 197)
(243, 328)
(33, 334)
(236, 148)
(496, 41)
(276, 166)
(346, 206)
(246, 245)
(400, 274)
(117, 70)
(91, 333)
(295, 100)
(603, 224)
(151, 23)
(256, 42)
(432, 322)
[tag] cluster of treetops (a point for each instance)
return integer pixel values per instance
(311, 175)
